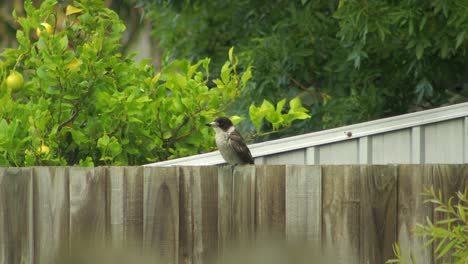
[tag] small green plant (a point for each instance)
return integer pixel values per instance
(449, 235)
(278, 117)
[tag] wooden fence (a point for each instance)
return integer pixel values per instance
(190, 214)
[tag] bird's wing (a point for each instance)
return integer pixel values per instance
(237, 143)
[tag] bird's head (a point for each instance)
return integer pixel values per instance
(223, 123)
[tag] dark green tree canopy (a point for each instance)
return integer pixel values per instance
(349, 60)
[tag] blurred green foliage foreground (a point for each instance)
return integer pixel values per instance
(68, 96)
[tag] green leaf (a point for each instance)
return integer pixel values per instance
(444, 49)
(267, 107)
(295, 104)
(280, 105)
(3, 132)
(70, 97)
(236, 119)
(72, 10)
(419, 50)
(247, 75)
(446, 248)
(115, 147)
(132, 119)
(460, 39)
(167, 135)
(63, 43)
(231, 57)
(256, 116)
(461, 211)
(22, 40)
(298, 115)
(275, 119)
(88, 162)
(79, 137)
(226, 73)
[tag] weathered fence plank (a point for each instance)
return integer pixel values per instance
(378, 218)
(161, 212)
(133, 228)
(225, 197)
(16, 215)
(303, 203)
(125, 203)
(236, 208)
(243, 203)
(87, 206)
(270, 201)
(341, 227)
(115, 202)
(51, 214)
(198, 214)
(413, 181)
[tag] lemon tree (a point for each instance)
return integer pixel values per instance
(68, 95)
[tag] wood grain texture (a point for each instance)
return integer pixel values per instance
(378, 216)
(236, 209)
(341, 227)
(87, 207)
(51, 213)
(115, 204)
(125, 205)
(198, 214)
(16, 215)
(303, 203)
(270, 201)
(191, 214)
(161, 212)
(133, 227)
(243, 203)
(412, 181)
(225, 219)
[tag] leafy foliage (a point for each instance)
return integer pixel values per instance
(83, 102)
(449, 235)
(349, 60)
(276, 116)
(68, 95)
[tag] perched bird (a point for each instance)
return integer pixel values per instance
(230, 142)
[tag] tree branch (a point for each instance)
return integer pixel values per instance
(69, 120)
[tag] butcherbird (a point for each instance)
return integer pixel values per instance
(230, 142)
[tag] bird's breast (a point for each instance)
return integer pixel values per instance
(226, 150)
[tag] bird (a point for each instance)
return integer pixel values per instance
(230, 142)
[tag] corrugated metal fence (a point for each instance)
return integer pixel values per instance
(192, 214)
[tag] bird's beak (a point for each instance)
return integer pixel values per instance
(212, 124)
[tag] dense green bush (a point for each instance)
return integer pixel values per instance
(68, 96)
(83, 102)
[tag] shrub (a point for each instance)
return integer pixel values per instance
(83, 102)
(449, 235)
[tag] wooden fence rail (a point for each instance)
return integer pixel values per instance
(192, 214)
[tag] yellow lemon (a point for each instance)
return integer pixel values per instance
(43, 149)
(14, 81)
